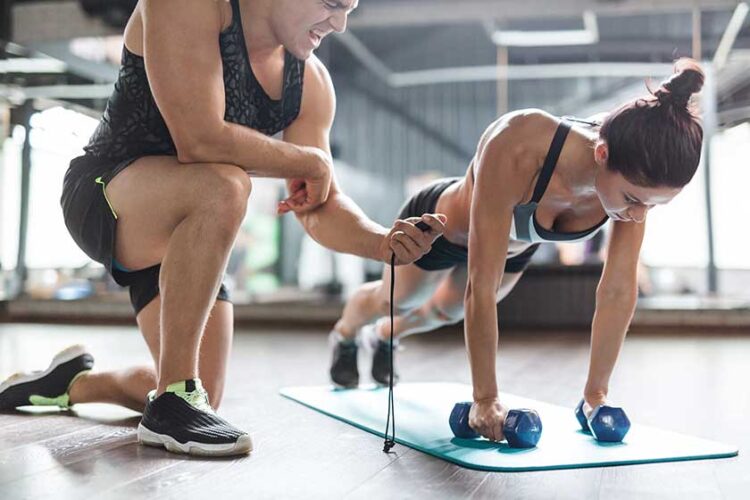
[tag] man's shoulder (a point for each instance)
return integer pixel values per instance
(318, 97)
(316, 72)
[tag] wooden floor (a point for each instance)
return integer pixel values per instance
(686, 383)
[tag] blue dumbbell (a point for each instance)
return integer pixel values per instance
(522, 427)
(607, 423)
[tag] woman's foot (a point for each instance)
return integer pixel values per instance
(49, 387)
(373, 341)
(343, 369)
(182, 421)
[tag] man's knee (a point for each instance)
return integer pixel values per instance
(228, 192)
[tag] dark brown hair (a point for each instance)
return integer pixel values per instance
(656, 141)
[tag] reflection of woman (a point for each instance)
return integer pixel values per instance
(519, 191)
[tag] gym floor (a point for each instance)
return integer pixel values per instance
(673, 381)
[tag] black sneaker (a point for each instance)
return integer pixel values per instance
(48, 387)
(343, 370)
(182, 421)
(381, 372)
(380, 348)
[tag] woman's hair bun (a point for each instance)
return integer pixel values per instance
(688, 79)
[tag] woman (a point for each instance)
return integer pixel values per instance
(535, 178)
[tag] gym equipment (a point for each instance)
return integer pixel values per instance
(608, 424)
(422, 425)
(522, 427)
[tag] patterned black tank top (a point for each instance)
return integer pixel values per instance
(132, 125)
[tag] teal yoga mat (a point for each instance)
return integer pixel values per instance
(422, 412)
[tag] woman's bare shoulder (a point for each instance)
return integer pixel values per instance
(511, 151)
(522, 134)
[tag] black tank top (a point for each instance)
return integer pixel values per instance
(132, 125)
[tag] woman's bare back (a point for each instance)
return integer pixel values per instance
(561, 208)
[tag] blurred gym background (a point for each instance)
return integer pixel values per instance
(417, 82)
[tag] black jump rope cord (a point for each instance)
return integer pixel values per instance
(390, 422)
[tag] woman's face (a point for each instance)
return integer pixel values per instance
(301, 25)
(622, 200)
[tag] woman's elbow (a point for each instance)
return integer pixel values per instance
(626, 296)
(476, 289)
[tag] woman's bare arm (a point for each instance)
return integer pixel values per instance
(616, 298)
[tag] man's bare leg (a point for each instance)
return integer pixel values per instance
(186, 217)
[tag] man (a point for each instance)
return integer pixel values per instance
(160, 194)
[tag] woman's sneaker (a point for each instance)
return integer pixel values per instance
(343, 369)
(381, 361)
(49, 387)
(182, 421)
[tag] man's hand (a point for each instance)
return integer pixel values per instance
(408, 241)
(311, 192)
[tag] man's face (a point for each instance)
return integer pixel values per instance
(301, 25)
